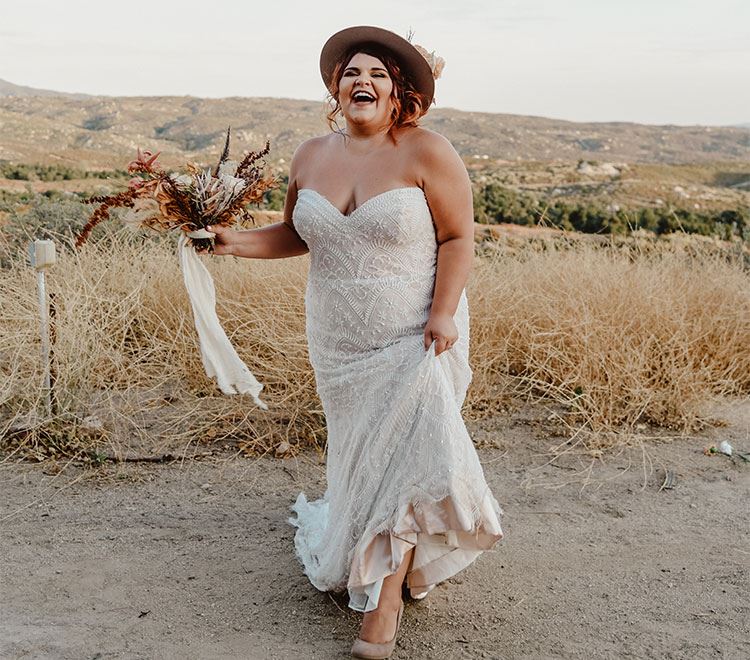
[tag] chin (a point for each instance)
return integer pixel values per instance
(365, 118)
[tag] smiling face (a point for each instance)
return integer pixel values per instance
(365, 91)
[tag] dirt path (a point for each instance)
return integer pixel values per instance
(195, 560)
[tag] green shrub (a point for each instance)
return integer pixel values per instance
(274, 199)
(495, 203)
(31, 172)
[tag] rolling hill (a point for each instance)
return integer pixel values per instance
(40, 126)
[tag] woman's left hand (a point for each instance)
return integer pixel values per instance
(442, 329)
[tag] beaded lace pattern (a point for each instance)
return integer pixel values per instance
(396, 438)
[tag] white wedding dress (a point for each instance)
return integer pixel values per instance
(401, 469)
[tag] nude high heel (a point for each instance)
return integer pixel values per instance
(406, 592)
(423, 595)
(373, 651)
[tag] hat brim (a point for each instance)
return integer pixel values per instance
(415, 66)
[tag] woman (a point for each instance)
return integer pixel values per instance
(384, 207)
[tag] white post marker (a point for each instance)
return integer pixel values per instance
(42, 256)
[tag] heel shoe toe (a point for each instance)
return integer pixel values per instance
(373, 651)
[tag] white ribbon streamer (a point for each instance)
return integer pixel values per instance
(220, 360)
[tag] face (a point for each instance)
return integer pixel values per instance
(365, 91)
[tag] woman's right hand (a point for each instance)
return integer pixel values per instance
(225, 241)
(268, 242)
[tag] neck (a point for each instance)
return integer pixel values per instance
(367, 136)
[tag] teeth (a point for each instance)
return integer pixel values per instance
(363, 96)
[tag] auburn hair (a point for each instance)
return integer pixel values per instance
(408, 103)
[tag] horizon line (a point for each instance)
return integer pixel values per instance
(55, 92)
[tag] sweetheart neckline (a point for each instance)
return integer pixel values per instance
(363, 204)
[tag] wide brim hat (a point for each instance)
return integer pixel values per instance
(414, 64)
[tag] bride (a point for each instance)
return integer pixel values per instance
(384, 208)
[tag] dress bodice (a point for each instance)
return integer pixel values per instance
(390, 235)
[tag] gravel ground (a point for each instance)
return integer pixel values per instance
(194, 559)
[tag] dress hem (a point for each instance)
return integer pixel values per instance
(445, 541)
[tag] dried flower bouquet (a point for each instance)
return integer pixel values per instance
(190, 202)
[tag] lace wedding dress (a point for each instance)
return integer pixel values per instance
(401, 469)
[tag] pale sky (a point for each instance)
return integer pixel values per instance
(647, 61)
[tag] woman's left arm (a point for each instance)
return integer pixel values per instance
(447, 187)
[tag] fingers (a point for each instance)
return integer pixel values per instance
(220, 249)
(441, 343)
(217, 247)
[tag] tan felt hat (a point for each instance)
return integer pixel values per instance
(413, 62)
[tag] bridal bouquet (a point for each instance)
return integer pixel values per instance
(189, 202)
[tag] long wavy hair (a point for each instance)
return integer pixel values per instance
(408, 103)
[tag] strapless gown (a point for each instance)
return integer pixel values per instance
(401, 469)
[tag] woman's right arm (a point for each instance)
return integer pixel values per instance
(273, 241)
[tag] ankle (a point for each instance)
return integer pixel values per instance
(389, 602)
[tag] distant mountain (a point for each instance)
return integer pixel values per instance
(10, 89)
(39, 126)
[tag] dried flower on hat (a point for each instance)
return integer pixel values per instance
(435, 61)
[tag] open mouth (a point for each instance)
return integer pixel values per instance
(363, 98)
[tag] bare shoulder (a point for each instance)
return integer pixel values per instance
(312, 144)
(306, 150)
(443, 177)
(434, 157)
(430, 144)
(307, 154)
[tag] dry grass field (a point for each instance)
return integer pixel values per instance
(617, 338)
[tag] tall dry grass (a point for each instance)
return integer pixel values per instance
(126, 353)
(620, 337)
(616, 337)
